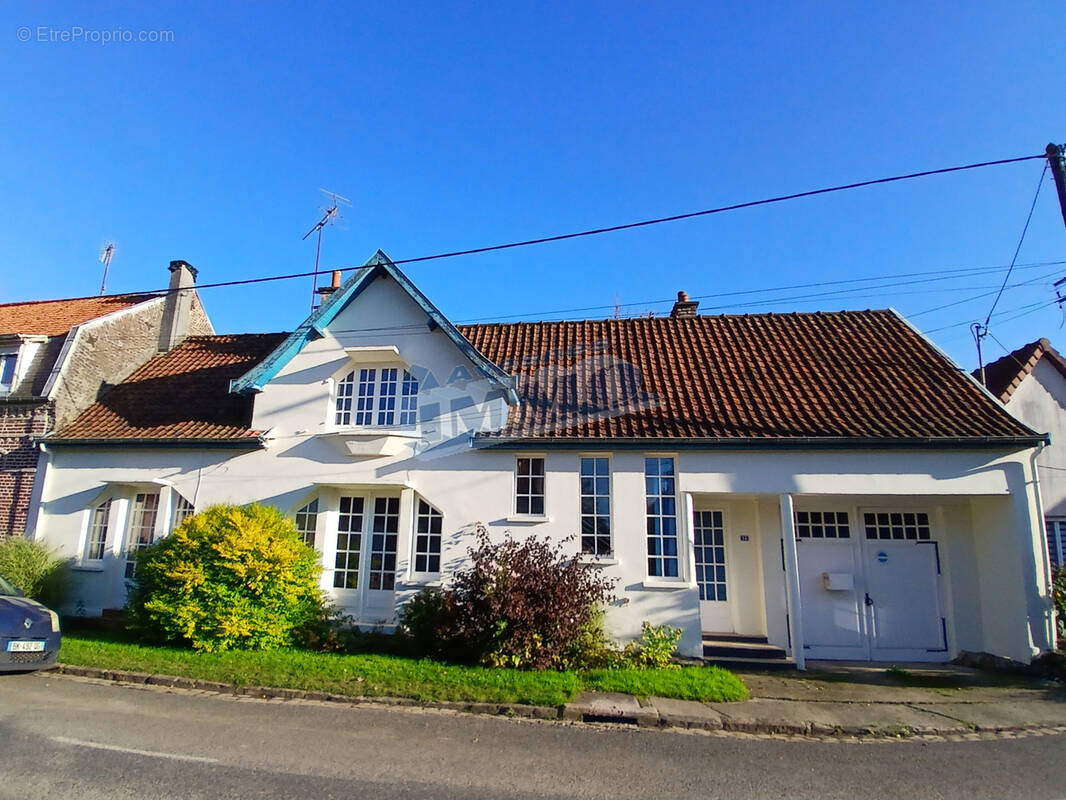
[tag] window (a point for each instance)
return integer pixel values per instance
(8, 358)
(307, 521)
(428, 525)
(1056, 540)
(710, 555)
(96, 542)
(529, 486)
(596, 506)
(897, 525)
(822, 525)
(368, 396)
(140, 528)
(349, 543)
(386, 526)
(182, 509)
(659, 485)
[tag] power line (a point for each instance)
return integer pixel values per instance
(631, 225)
(1017, 249)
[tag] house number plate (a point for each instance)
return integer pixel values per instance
(25, 647)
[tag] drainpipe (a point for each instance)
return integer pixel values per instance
(1044, 550)
(792, 583)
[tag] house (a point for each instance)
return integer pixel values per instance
(829, 484)
(1031, 384)
(55, 355)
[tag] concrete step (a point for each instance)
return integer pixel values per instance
(733, 637)
(750, 664)
(748, 650)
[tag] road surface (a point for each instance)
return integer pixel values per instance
(75, 738)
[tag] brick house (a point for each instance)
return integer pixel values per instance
(57, 355)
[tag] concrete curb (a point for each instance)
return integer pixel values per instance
(602, 707)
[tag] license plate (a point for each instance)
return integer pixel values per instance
(25, 647)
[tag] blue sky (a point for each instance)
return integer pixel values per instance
(458, 125)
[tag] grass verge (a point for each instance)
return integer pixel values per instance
(394, 676)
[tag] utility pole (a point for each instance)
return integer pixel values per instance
(1058, 169)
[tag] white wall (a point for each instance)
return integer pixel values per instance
(1040, 402)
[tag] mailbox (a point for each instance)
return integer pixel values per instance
(838, 581)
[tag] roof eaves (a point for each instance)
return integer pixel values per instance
(775, 443)
(254, 442)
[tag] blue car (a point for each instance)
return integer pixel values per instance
(29, 632)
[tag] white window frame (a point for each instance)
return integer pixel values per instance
(121, 497)
(679, 515)
(5, 351)
(302, 509)
(426, 575)
(595, 514)
(529, 514)
(398, 401)
(107, 506)
(132, 541)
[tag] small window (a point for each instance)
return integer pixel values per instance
(660, 491)
(96, 543)
(349, 543)
(181, 511)
(368, 396)
(140, 529)
(8, 359)
(428, 525)
(529, 486)
(822, 525)
(596, 506)
(1056, 540)
(385, 531)
(902, 525)
(307, 521)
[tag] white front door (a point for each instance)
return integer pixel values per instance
(710, 540)
(364, 568)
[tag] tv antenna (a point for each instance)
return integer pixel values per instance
(106, 254)
(329, 217)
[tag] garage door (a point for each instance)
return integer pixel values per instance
(872, 590)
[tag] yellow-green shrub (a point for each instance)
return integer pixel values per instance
(228, 578)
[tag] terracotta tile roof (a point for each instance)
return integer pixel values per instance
(56, 317)
(853, 374)
(1005, 375)
(183, 394)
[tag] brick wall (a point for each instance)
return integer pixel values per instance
(19, 424)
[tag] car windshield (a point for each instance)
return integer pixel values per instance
(7, 589)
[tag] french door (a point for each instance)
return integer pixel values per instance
(709, 536)
(364, 559)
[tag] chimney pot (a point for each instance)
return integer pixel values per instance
(336, 283)
(684, 307)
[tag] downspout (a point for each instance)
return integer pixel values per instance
(1053, 630)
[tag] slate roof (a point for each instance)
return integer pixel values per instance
(179, 395)
(57, 317)
(801, 379)
(1005, 375)
(850, 375)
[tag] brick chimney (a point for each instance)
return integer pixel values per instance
(684, 307)
(177, 307)
(325, 291)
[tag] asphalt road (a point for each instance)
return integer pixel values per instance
(66, 737)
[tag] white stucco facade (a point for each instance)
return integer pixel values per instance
(978, 509)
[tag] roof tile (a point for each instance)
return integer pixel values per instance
(56, 317)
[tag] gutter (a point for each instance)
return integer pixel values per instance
(247, 443)
(779, 443)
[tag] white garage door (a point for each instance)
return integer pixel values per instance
(870, 591)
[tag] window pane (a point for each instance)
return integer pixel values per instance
(661, 517)
(385, 523)
(141, 526)
(529, 485)
(349, 543)
(595, 495)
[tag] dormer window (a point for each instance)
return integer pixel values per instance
(8, 359)
(376, 397)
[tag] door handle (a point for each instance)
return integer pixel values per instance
(868, 601)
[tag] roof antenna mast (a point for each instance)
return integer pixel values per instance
(329, 217)
(106, 254)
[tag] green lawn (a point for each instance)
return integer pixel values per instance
(393, 676)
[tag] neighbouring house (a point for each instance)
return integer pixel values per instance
(56, 355)
(827, 484)
(1031, 384)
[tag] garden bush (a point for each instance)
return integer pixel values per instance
(520, 604)
(655, 649)
(229, 578)
(35, 570)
